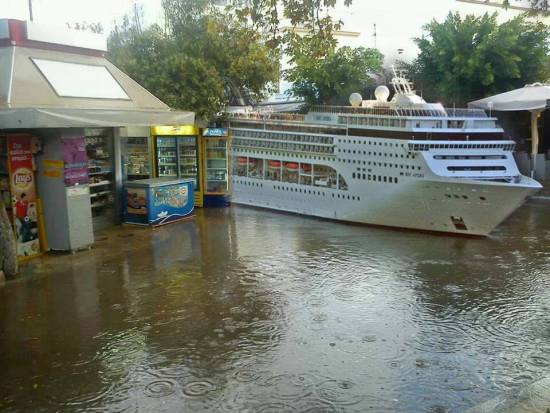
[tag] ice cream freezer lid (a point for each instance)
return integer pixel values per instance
(154, 182)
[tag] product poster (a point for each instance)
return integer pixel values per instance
(170, 197)
(209, 132)
(137, 201)
(170, 203)
(75, 158)
(23, 192)
(52, 168)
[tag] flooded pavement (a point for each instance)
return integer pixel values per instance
(245, 310)
(532, 398)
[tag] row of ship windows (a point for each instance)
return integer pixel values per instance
(284, 136)
(298, 190)
(350, 197)
(260, 185)
(289, 172)
(298, 147)
(292, 155)
(306, 129)
(374, 121)
(277, 127)
(304, 191)
(375, 143)
(476, 168)
(377, 153)
(310, 192)
(386, 165)
(455, 196)
(426, 146)
(378, 178)
(474, 157)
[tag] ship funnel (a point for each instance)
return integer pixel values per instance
(382, 93)
(355, 99)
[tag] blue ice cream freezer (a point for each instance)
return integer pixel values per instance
(157, 201)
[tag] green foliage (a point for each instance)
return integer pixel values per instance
(463, 59)
(203, 51)
(540, 5)
(330, 79)
(537, 6)
(197, 58)
(272, 16)
(304, 31)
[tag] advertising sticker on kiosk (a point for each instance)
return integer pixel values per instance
(76, 161)
(168, 203)
(215, 132)
(136, 201)
(23, 193)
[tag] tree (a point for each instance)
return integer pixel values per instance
(200, 55)
(303, 30)
(274, 17)
(204, 51)
(537, 6)
(8, 250)
(540, 6)
(179, 80)
(332, 78)
(463, 59)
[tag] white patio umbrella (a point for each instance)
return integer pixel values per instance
(534, 98)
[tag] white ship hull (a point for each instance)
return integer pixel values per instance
(404, 163)
(420, 205)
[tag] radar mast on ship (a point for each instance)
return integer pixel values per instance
(400, 83)
(404, 91)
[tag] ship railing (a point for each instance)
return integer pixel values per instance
(402, 111)
(268, 116)
(382, 111)
(465, 113)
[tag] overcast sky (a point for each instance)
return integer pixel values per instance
(60, 12)
(396, 24)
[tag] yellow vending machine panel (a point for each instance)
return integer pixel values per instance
(177, 155)
(217, 188)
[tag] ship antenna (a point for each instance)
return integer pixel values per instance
(400, 83)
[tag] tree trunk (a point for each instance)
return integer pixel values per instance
(8, 249)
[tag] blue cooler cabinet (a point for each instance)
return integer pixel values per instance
(157, 201)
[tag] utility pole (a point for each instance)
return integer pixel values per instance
(373, 35)
(137, 18)
(30, 11)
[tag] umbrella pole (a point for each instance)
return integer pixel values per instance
(534, 140)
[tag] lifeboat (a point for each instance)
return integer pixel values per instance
(274, 164)
(291, 167)
(306, 168)
(241, 160)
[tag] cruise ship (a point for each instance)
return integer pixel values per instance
(403, 163)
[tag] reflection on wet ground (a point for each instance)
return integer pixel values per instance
(241, 309)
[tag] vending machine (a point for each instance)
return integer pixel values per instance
(215, 142)
(177, 155)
